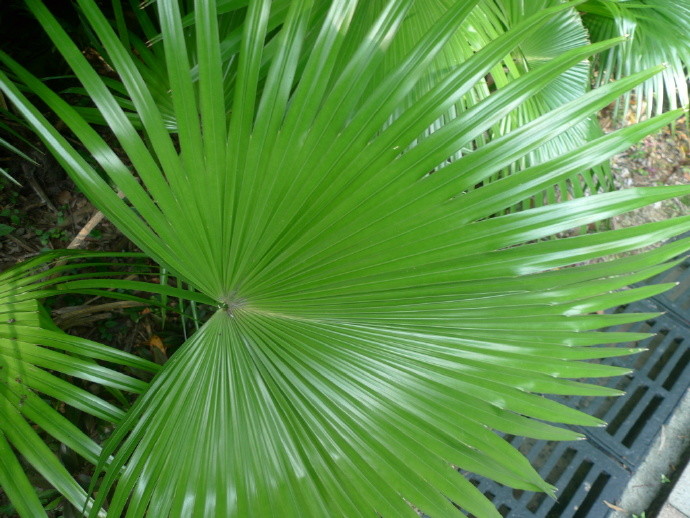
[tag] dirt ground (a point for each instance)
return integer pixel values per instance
(47, 212)
(660, 159)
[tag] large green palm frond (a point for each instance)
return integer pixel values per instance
(489, 20)
(35, 359)
(375, 322)
(657, 32)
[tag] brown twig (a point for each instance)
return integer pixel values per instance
(86, 230)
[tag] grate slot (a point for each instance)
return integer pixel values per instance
(642, 420)
(582, 471)
(603, 405)
(535, 502)
(525, 446)
(663, 358)
(685, 304)
(677, 370)
(542, 454)
(559, 465)
(627, 409)
(592, 496)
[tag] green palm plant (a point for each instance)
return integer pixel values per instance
(657, 31)
(564, 31)
(376, 320)
(28, 369)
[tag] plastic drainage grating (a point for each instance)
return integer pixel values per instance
(676, 301)
(590, 472)
(652, 391)
(585, 478)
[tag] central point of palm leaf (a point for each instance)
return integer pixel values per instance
(232, 302)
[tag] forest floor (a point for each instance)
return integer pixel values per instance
(660, 159)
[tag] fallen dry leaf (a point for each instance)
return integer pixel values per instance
(614, 507)
(155, 341)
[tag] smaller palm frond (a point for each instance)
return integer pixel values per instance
(41, 366)
(657, 33)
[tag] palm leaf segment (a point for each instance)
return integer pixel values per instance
(30, 373)
(375, 323)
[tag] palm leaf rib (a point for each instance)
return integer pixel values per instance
(380, 315)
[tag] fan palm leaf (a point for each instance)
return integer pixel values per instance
(375, 320)
(657, 31)
(33, 355)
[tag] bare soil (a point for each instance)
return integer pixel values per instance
(660, 159)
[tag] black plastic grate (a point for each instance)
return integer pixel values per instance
(652, 391)
(585, 477)
(676, 301)
(597, 470)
